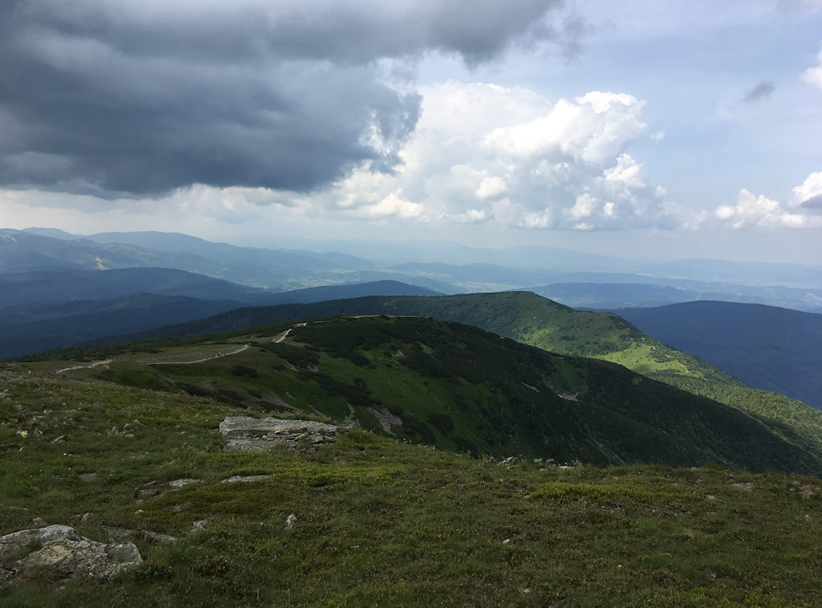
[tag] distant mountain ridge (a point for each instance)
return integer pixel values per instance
(55, 308)
(770, 348)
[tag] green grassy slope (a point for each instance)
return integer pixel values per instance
(539, 322)
(461, 388)
(383, 523)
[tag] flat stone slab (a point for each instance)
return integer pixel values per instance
(246, 434)
(245, 478)
(64, 552)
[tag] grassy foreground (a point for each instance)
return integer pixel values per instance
(382, 522)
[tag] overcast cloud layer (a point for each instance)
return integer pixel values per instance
(139, 97)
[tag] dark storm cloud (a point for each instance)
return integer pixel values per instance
(760, 92)
(143, 96)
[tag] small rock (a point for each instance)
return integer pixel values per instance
(507, 541)
(509, 461)
(807, 492)
(181, 483)
(245, 479)
(161, 538)
(146, 493)
(39, 522)
(291, 521)
(60, 439)
(87, 477)
(537, 460)
(710, 497)
(745, 487)
(690, 538)
(118, 532)
(180, 506)
(87, 518)
(199, 526)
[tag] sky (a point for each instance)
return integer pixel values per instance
(644, 129)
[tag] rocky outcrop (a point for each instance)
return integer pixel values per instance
(64, 552)
(259, 434)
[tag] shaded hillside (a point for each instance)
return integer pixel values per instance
(539, 322)
(461, 388)
(770, 348)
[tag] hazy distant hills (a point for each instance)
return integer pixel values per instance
(267, 268)
(567, 276)
(659, 292)
(52, 308)
(771, 348)
(52, 284)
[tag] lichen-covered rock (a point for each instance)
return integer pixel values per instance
(259, 434)
(64, 552)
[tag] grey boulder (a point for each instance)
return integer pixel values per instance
(246, 434)
(64, 552)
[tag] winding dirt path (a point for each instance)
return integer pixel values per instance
(209, 358)
(95, 364)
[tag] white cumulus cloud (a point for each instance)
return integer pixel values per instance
(801, 209)
(813, 75)
(482, 152)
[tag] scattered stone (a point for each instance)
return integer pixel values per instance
(386, 419)
(118, 532)
(146, 493)
(200, 526)
(180, 506)
(694, 468)
(537, 460)
(114, 432)
(245, 479)
(61, 550)
(807, 491)
(87, 477)
(60, 439)
(246, 434)
(181, 483)
(745, 487)
(507, 541)
(39, 522)
(509, 461)
(153, 536)
(161, 538)
(291, 521)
